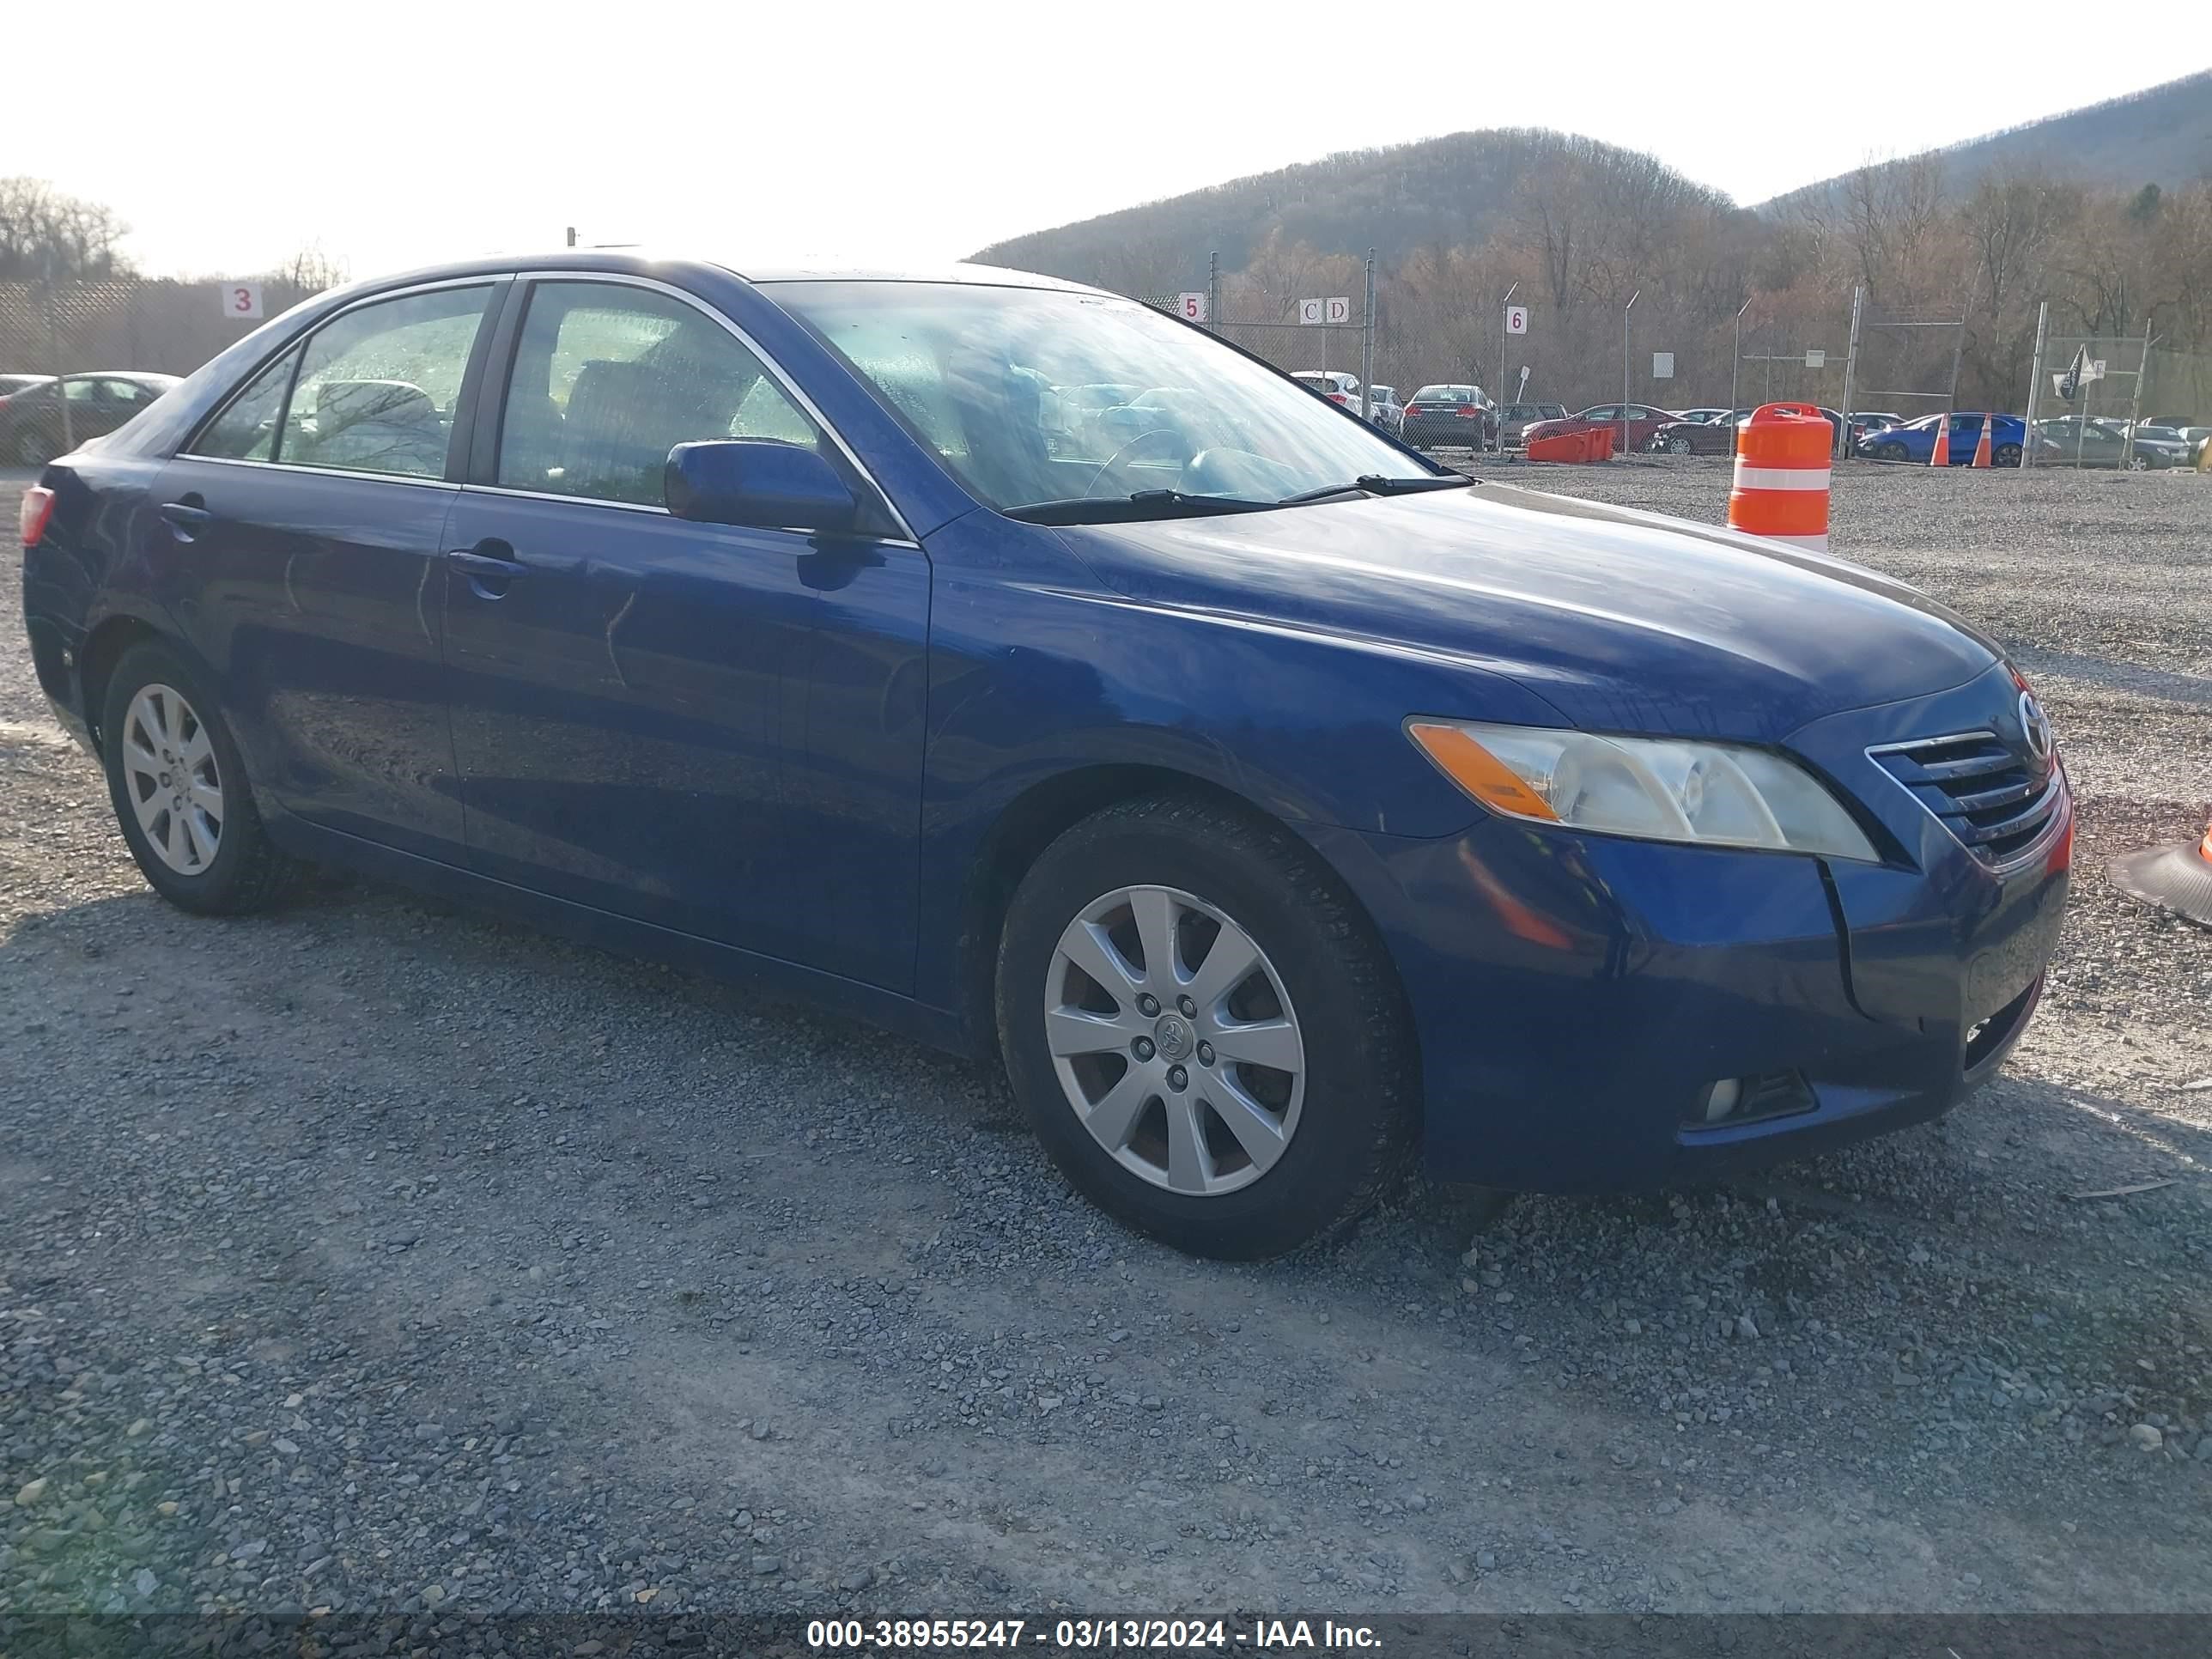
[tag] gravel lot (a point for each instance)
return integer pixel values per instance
(378, 1258)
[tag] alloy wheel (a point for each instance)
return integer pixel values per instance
(175, 787)
(1173, 1040)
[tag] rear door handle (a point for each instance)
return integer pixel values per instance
(187, 517)
(488, 566)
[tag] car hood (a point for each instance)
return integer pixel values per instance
(1622, 621)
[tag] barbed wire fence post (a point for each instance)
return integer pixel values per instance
(1367, 348)
(2034, 382)
(2135, 403)
(54, 356)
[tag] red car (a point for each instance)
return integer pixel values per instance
(1643, 422)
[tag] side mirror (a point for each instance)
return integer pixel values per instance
(760, 482)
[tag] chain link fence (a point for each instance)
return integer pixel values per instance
(2112, 401)
(150, 325)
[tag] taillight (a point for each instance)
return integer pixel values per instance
(1468, 410)
(38, 508)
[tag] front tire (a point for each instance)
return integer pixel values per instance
(1207, 1034)
(179, 788)
(2006, 455)
(1679, 445)
(1889, 453)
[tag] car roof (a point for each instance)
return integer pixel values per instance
(642, 258)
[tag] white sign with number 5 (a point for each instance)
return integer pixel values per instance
(1191, 307)
(1516, 319)
(242, 300)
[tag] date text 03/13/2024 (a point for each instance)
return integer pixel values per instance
(1088, 1635)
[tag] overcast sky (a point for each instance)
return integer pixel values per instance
(394, 135)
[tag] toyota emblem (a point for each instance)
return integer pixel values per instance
(2035, 726)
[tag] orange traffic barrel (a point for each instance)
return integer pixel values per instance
(1781, 474)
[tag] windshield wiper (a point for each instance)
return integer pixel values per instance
(1126, 509)
(1373, 483)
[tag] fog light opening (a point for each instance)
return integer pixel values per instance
(1736, 1100)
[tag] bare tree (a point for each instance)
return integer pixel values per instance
(45, 233)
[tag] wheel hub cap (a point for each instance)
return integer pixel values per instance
(1174, 1038)
(171, 779)
(1199, 1130)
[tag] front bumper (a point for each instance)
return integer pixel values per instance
(1576, 996)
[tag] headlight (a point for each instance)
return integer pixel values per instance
(1722, 794)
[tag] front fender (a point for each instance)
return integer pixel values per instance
(1038, 673)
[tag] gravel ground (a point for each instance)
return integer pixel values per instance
(374, 1257)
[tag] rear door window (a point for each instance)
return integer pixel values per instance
(247, 429)
(378, 384)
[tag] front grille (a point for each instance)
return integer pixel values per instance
(1981, 790)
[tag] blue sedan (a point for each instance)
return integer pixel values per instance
(1000, 661)
(1915, 441)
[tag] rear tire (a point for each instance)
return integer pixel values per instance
(179, 788)
(1336, 1119)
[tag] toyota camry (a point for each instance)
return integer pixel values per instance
(1008, 664)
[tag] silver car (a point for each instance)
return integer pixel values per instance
(1384, 409)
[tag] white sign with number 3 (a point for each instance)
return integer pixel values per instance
(242, 300)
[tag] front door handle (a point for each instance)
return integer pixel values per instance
(187, 517)
(490, 566)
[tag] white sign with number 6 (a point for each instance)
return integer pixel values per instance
(1516, 319)
(242, 300)
(1191, 307)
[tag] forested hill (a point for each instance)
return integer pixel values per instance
(2161, 135)
(1440, 192)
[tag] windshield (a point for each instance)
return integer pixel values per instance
(1034, 396)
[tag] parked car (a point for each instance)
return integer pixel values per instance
(1915, 441)
(1451, 417)
(1514, 419)
(765, 625)
(12, 384)
(31, 429)
(1384, 409)
(2070, 440)
(1338, 388)
(1718, 437)
(1688, 437)
(1642, 421)
(2194, 437)
(1702, 414)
